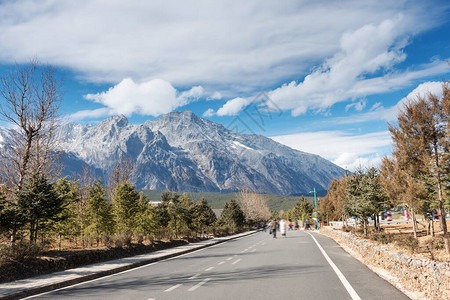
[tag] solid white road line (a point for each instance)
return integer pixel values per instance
(235, 262)
(338, 272)
(209, 269)
(195, 276)
(172, 288)
(198, 285)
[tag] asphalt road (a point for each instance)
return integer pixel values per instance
(254, 267)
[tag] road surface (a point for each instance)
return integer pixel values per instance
(304, 265)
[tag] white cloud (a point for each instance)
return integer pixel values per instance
(194, 93)
(215, 96)
(91, 114)
(209, 113)
(389, 114)
(344, 149)
(364, 51)
(233, 107)
(352, 161)
(421, 91)
(192, 42)
(358, 106)
(154, 97)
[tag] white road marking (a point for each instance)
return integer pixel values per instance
(209, 269)
(172, 288)
(137, 268)
(338, 272)
(229, 258)
(221, 263)
(235, 262)
(198, 285)
(195, 276)
(253, 250)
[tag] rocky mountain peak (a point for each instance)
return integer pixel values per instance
(181, 151)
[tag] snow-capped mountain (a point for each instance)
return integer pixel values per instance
(182, 152)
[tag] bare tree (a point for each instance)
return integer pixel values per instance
(31, 99)
(31, 96)
(119, 173)
(254, 206)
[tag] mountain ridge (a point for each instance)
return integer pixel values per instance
(182, 152)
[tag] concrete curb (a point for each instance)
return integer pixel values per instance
(45, 283)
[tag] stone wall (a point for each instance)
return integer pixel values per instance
(422, 278)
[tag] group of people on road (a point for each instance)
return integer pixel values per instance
(282, 226)
(278, 226)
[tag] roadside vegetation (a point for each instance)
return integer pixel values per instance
(416, 178)
(49, 223)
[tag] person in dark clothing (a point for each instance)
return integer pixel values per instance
(274, 228)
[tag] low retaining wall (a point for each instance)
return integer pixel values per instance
(418, 276)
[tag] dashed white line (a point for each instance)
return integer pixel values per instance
(221, 263)
(198, 285)
(253, 250)
(236, 261)
(173, 287)
(209, 269)
(229, 258)
(195, 276)
(338, 272)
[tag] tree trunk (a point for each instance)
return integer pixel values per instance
(432, 227)
(365, 226)
(13, 238)
(414, 222)
(441, 201)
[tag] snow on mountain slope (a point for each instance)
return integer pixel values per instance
(181, 151)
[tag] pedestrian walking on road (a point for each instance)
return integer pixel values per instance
(283, 228)
(274, 228)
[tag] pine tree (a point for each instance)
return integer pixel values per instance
(40, 204)
(202, 215)
(145, 221)
(126, 207)
(302, 210)
(69, 225)
(99, 211)
(232, 215)
(365, 196)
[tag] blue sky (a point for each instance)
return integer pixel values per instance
(327, 75)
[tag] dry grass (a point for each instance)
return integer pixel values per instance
(402, 238)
